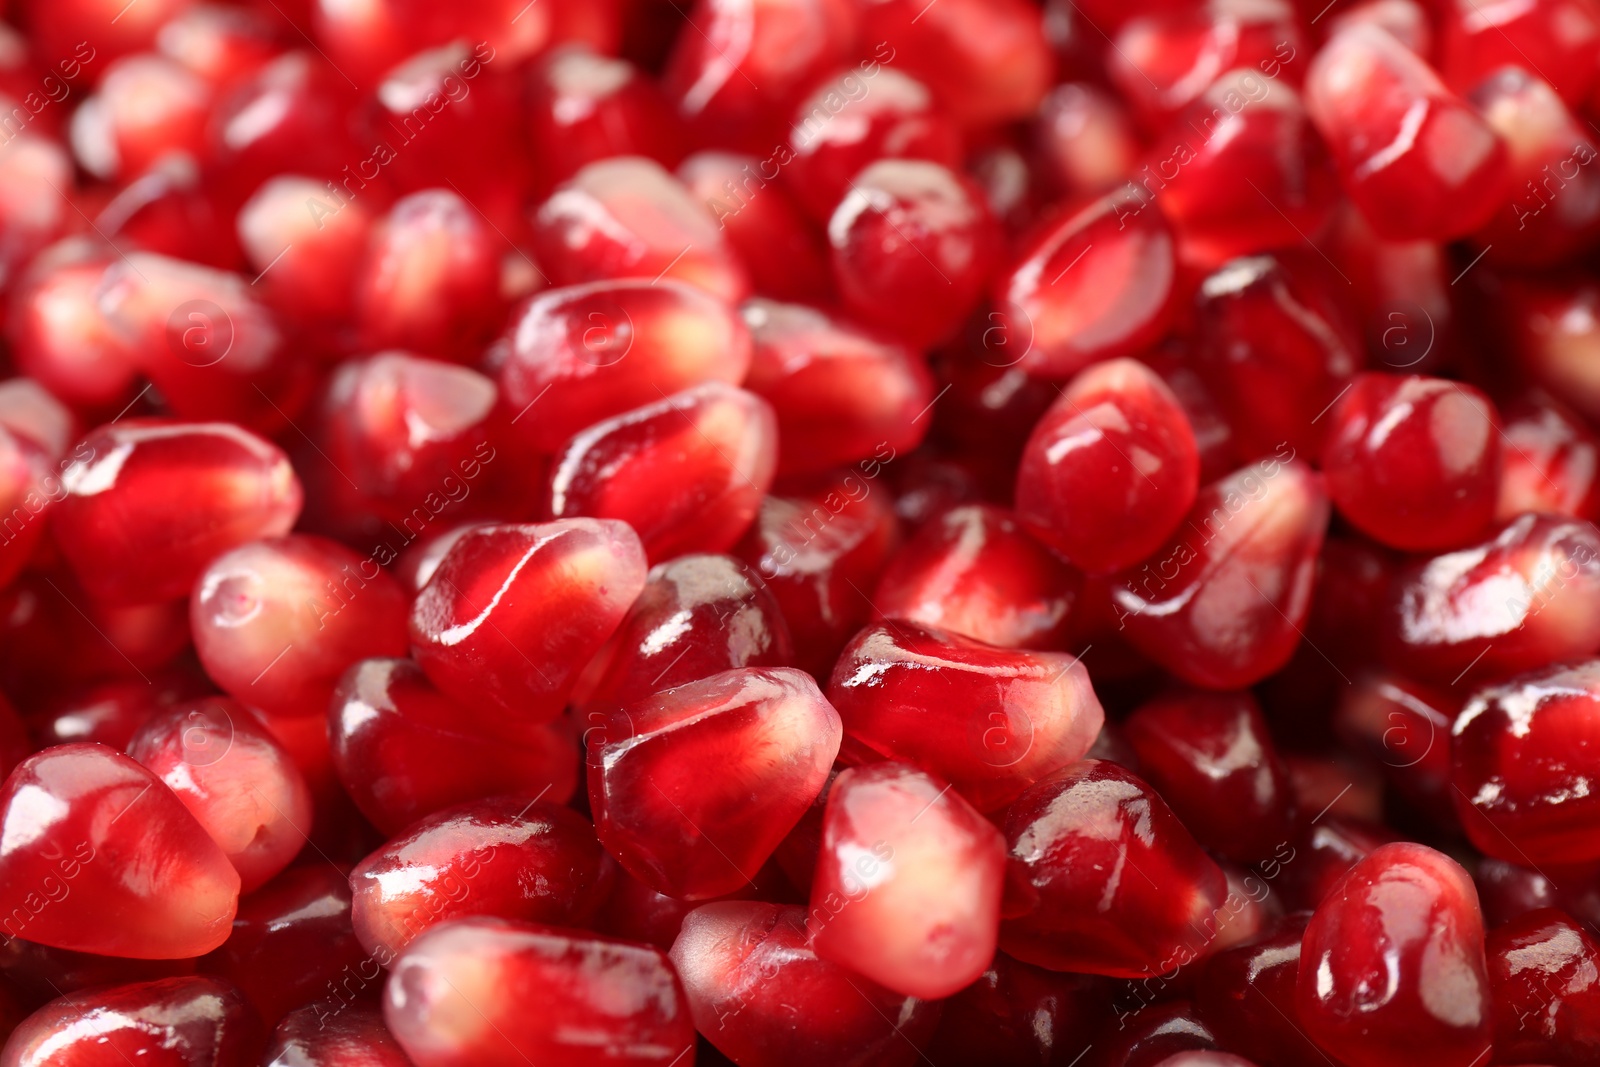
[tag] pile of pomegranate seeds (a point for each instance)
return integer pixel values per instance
(800, 533)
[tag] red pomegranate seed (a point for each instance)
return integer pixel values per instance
(402, 750)
(292, 945)
(584, 107)
(1550, 461)
(33, 208)
(1211, 758)
(234, 778)
(315, 1037)
(1412, 155)
(99, 856)
(460, 994)
(1084, 140)
(83, 29)
(851, 121)
(1414, 462)
(1558, 36)
(576, 355)
(908, 883)
(698, 615)
(1111, 468)
(1405, 726)
(746, 966)
(1095, 285)
(1552, 326)
(181, 1022)
(913, 244)
(512, 857)
(1071, 903)
(990, 721)
(1520, 767)
(149, 502)
(223, 45)
(58, 337)
(1392, 963)
(1544, 977)
(842, 393)
(987, 61)
(556, 589)
(1321, 856)
(1153, 1036)
(974, 571)
(628, 217)
(1245, 995)
(686, 472)
(782, 248)
(276, 622)
(1517, 601)
(1222, 604)
(147, 106)
(306, 250)
(693, 835)
(1015, 1013)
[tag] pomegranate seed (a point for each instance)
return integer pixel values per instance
(1509, 892)
(695, 836)
(565, 585)
(66, 30)
(745, 966)
(150, 502)
(1015, 1014)
(1405, 725)
(223, 45)
(842, 393)
(402, 750)
(511, 857)
(1111, 469)
(778, 244)
(1544, 974)
(1261, 526)
(974, 571)
(687, 472)
(584, 107)
(603, 349)
(1413, 156)
(77, 875)
(912, 904)
(1550, 462)
(1068, 904)
(1392, 963)
(1210, 756)
(305, 253)
(913, 245)
(179, 1021)
(1445, 624)
(990, 721)
(1245, 995)
(1066, 305)
(147, 106)
(1158, 1034)
(292, 944)
(235, 780)
(1322, 855)
(460, 994)
(1559, 36)
(1084, 139)
(312, 1037)
(987, 61)
(653, 228)
(57, 336)
(698, 615)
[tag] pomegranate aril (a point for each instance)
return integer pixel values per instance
(698, 615)
(147, 106)
(176, 1022)
(556, 589)
(604, 348)
(1222, 604)
(1017, 1015)
(234, 778)
(152, 501)
(1550, 462)
(974, 571)
(56, 333)
(292, 944)
(1508, 891)
(1544, 977)
(687, 472)
(908, 884)
(459, 997)
(747, 965)
(1316, 860)
(510, 857)
(781, 248)
(1153, 1034)
(990, 721)
(1413, 156)
(1523, 598)
(1111, 469)
(913, 247)
(223, 45)
(82, 29)
(1561, 37)
(97, 855)
(1246, 997)
(1069, 903)
(628, 217)
(1405, 726)
(1211, 758)
(306, 253)
(584, 107)
(318, 1037)
(1083, 139)
(402, 750)
(34, 172)
(1392, 964)
(771, 734)
(1097, 284)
